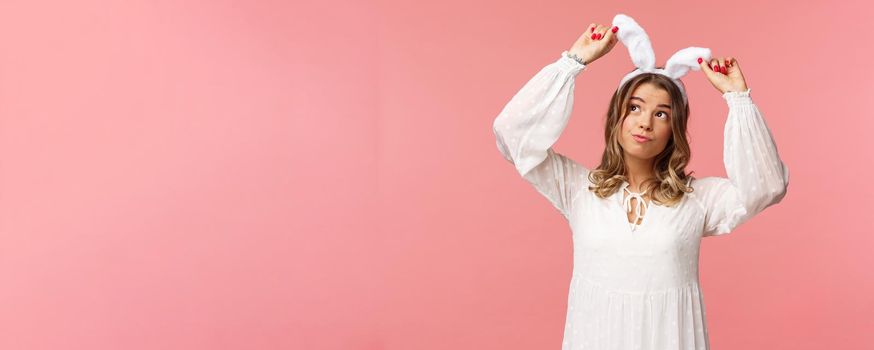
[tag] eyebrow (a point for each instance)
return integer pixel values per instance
(641, 100)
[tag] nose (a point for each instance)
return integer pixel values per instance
(644, 124)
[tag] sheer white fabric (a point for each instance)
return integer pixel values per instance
(636, 287)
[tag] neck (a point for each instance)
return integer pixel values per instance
(637, 171)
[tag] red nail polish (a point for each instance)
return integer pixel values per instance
(724, 70)
(594, 35)
(700, 60)
(592, 29)
(600, 36)
(615, 28)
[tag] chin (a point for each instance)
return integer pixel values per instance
(636, 153)
(639, 156)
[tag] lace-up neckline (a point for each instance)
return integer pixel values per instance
(640, 202)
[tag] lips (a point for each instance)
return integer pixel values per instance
(640, 138)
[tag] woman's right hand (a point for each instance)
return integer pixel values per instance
(597, 41)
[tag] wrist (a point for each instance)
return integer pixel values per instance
(567, 63)
(737, 98)
(742, 88)
(580, 56)
(577, 58)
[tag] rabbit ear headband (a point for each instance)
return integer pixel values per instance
(640, 48)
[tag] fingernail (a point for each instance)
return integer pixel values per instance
(592, 29)
(724, 70)
(615, 28)
(594, 35)
(700, 60)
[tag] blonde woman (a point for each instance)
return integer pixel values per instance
(638, 217)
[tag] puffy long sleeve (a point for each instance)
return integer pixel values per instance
(757, 177)
(532, 122)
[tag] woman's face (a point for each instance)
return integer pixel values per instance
(649, 115)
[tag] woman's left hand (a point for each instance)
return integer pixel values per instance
(724, 73)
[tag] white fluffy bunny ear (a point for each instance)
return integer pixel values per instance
(635, 39)
(680, 63)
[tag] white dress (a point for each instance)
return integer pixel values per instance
(636, 287)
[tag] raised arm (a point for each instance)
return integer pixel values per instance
(534, 118)
(532, 122)
(757, 177)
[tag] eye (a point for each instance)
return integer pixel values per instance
(633, 106)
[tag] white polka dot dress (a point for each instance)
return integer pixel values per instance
(636, 286)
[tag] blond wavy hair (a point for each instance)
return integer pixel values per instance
(671, 180)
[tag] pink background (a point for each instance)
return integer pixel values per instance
(323, 175)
